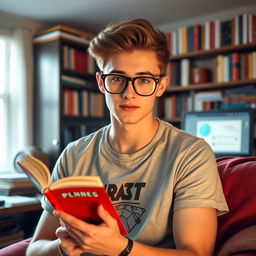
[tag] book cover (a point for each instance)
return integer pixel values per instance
(76, 195)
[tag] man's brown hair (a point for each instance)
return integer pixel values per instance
(129, 35)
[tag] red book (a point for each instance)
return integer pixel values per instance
(174, 107)
(169, 40)
(78, 196)
(197, 37)
(235, 66)
(80, 61)
(254, 28)
(212, 35)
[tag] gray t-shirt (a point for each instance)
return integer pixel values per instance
(175, 170)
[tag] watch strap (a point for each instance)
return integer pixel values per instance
(128, 248)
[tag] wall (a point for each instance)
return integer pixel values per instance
(11, 21)
(224, 15)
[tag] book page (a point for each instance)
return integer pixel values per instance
(77, 181)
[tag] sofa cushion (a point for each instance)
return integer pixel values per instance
(242, 241)
(16, 249)
(238, 177)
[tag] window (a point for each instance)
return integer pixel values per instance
(4, 100)
(16, 93)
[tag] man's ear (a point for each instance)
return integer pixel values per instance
(162, 86)
(100, 82)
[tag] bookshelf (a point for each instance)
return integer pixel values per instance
(227, 49)
(68, 104)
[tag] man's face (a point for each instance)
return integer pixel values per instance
(129, 107)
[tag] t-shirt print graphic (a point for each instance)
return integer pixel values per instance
(130, 214)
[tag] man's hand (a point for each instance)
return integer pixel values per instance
(78, 236)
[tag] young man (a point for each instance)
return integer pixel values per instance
(164, 180)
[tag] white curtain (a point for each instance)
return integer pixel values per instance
(21, 90)
(19, 132)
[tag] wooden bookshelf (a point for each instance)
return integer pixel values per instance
(211, 86)
(212, 52)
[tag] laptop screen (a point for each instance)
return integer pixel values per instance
(228, 132)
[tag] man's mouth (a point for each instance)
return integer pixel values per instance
(127, 107)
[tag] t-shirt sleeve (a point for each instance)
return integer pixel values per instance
(197, 181)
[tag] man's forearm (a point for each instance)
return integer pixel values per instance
(43, 248)
(141, 249)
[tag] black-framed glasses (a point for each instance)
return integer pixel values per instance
(142, 85)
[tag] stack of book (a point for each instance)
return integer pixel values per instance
(16, 184)
(244, 97)
(62, 32)
(205, 101)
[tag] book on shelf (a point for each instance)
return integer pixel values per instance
(15, 183)
(14, 179)
(79, 196)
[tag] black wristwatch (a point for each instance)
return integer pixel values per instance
(128, 248)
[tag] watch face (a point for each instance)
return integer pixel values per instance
(17, 158)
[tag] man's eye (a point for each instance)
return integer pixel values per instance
(144, 80)
(116, 79)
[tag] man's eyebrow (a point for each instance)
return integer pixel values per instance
(114, 71)
(145, 73)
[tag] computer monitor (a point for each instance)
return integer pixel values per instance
(228, 132)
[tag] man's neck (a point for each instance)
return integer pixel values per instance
(129, 138)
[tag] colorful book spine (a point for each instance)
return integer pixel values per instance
(236, 66)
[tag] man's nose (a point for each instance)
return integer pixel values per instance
(129, 91)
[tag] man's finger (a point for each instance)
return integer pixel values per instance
(105, 216)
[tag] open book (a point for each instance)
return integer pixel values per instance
(77, 195)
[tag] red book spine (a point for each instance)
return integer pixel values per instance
(70, 102)
(235, 66)
(197, 38)
(82, 203)
(207, 105)
(169, 41)
(174, 107)
(254, 28)
(80, 61)
(212, 35)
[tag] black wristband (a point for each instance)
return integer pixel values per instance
(128, 248)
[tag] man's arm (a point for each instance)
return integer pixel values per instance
(45, 241)
(194, 233)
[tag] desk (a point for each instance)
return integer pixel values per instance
(24, 212)
(9, 209)
(19, 204)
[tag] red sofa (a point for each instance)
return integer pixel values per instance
(237, 229)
